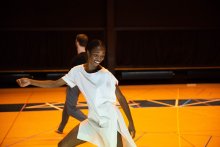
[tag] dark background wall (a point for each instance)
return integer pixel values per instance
(39, 34)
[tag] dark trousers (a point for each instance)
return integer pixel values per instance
(70, 108)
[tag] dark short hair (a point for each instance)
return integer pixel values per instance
(82, 39)
(95, 44)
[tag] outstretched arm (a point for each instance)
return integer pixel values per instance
(125, 107)
(23, 82)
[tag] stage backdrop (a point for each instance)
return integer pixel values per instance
(40, 34)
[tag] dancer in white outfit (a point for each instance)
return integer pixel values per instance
(105, 126)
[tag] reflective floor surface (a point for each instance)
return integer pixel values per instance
(174, 115)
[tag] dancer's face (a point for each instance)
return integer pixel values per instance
(96, 56)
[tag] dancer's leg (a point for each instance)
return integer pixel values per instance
(65, 118)
(70, 140)
(71, 102)
(70, 108)
(119, 140)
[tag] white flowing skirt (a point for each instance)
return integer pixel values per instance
(102, 131)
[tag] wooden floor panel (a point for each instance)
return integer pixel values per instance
(184, 115)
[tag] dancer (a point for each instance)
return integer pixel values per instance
(105, 126)
(72, 94)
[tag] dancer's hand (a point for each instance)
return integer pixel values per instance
(131, 130)
(23, 82)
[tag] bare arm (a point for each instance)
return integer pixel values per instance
(125, 107)
(23, 82)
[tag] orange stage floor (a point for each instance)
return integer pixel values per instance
(175, 115)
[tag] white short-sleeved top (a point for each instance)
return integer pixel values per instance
(104, 118)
